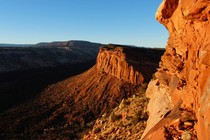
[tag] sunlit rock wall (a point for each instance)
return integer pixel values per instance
(184, 71)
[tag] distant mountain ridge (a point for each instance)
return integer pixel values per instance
(50, 44)
(64, 43)
(15, 45)
(46, 55)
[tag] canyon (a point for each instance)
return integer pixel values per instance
(69, 108)
(111, 100)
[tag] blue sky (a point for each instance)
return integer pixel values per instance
(129, 22)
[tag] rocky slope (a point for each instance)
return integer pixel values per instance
(126, 121)
(66, 109)
(179, 106)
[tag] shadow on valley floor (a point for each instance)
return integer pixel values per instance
(20, 86)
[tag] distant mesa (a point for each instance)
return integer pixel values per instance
(71, 43)
(15, 45)
(46, 55)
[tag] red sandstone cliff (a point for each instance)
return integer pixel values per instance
(130, 64)
(113, 62)
(183, 80)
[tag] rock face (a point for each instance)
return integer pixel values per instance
(113, 61)
(184, 73)
(125, 63)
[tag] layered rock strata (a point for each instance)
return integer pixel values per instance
(125, 64)
(184, 74)
(114, 63)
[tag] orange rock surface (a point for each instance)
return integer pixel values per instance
(130, 64)
(113, 62)
(184, 71)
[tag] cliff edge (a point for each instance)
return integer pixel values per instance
(179, 104)
(113, 61)
(131, 64)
